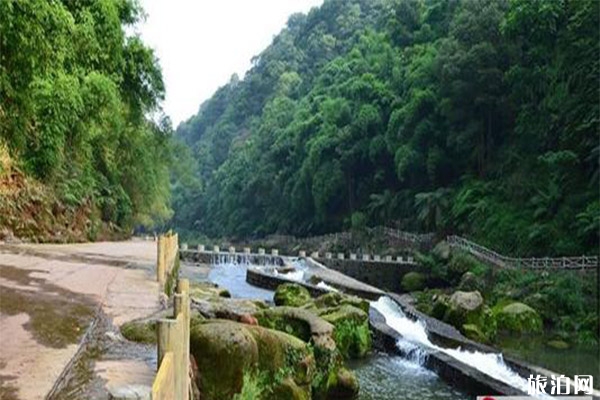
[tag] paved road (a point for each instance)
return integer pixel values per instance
(49, 295)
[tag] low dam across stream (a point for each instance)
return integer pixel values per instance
(410, 363)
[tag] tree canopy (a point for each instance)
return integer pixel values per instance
(79, 98)
(477, 117)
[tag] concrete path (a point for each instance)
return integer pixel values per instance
(49, 295)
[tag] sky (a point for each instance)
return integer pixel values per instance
(202, 43)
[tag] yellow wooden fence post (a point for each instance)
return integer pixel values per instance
(160, 265)
(182, 304)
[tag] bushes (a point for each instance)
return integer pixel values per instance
(413, 281)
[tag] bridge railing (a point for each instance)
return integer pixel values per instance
(172, 380)
(485, 254)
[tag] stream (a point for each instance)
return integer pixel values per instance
(381, 376)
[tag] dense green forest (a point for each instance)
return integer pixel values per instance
(473, 117)
(83, 146)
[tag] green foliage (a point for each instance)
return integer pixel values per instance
(413, 281)
(471, 117)
(75, 91)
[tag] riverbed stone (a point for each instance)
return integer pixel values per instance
(413, 281)
(442, 250)
(140, 331)
(225, 351)
(204, 290)
(299, 322)
(226, 308)
(464, 308)
(518, 318)
(351, 333)
(558, 344)
(291, 294)
(335, 299)
(343, 385)
(470, 282)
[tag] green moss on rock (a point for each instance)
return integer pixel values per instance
(351, 333)
(342, 385)
(518, 318)
(139, 331)
(473, 332)
(413, 281)
(334, 299)
(291, 294)
(228, 353)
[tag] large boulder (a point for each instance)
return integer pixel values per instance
(466, 311)
(226, 308)
(518, 318)
(442, 251)
(470, 282)
(291, 294)
(205, 290)
(351, 333)
(300, 323)
(413, 281)
(342, 385)
(226, 352)
(335, 299)
(466, 301)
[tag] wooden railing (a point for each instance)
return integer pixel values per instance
(172, 380)
(167, 257)
(492, 257)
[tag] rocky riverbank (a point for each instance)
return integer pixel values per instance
(297, 349)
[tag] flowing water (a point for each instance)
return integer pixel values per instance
(383, 377)
(415, 334)
(233, 278)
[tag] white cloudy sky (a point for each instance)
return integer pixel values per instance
(201, 43)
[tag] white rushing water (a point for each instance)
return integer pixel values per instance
(414, 334)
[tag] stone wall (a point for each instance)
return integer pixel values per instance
(381, 274)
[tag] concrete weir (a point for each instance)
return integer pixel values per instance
(454, 372)
(438, 355)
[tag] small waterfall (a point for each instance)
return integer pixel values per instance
(414, 334)
(243, 259)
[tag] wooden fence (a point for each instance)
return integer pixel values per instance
(492, 257)
(172, 380)
(167, 256)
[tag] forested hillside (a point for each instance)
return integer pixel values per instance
(79, 156)
(472, 117)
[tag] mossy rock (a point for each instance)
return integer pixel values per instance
(335, 299)
(351, 333)
(413, 281)
(518, 318)
(463, 308)
(440, 307)
(473, 332)
(291, 294)
(205, 290)
(470, 282)
(558, 344)
(227, 351)
(287, 390)
(301, 323)
(442, 251)
(342, 385)
(223, 351)
(140, 331)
